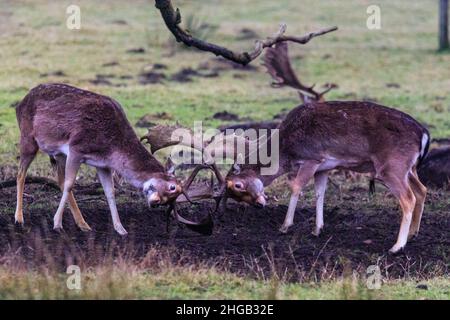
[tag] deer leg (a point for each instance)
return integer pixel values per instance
(72, 166)
(106, 180)
(320, 185)
(76, 213)
(402, 191)
(304, 174)
(420, 192)
(28, 150)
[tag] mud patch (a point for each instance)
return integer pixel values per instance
(119, 22)
(187, 75)
(247, 34)
(245, 240)
(101, 80)
(225, 116)
(151, 77)
(149, 120)
(220, 64)
(393, 85)
(110, 64)
(136, 50)
(57, 73)
(159, 66)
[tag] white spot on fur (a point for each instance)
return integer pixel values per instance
(64, 149)
(425, 139)
(147, 184)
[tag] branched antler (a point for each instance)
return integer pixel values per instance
(278, 65)
(172, 18)
(222, 144)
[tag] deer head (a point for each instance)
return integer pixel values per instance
(163, 188)
(245, 186)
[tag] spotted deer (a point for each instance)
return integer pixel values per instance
(75, 126)
(364, 137)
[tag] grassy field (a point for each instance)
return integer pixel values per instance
(122, 281)
(397, 66)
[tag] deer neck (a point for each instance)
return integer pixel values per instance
(136, 167)
(276, 167)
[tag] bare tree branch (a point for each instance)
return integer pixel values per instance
(172, 18)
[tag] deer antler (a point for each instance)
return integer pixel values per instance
(172, 18)
(278, 65)
(162, 136)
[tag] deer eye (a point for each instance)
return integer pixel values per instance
(172, 187)
(238, 185)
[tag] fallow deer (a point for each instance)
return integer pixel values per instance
(320, 136)
(75, 126)
(316, 137)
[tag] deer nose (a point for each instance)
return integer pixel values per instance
(260, 202)
(154, 199)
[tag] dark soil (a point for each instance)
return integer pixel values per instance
(245, 240)
(149, 120)
(247, 34)
(393, 85)
(225, 116)
(220, 64)
(110, 64)
(119, 22)
(103, 80)
(187, 74)
(136, 51)
(151, 77)
(57, 73)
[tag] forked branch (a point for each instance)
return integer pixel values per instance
(172, 18)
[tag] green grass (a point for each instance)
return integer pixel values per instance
(128, 281)
(34, 40)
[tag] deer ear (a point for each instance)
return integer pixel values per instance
(170, 166)
(236, 169)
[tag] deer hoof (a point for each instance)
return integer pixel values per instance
(84, 227)
(396, 250)
(284, 229)
(120, 230)
(316, 232)
(413, 235)
(58, 228)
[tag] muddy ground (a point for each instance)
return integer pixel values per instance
(246, 240)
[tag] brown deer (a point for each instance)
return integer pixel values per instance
(317, 137)
(75, 126)
(278, 65)
(365, 137)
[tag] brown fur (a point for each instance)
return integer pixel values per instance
(358, 136)
(75, 126)
(93, 125)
